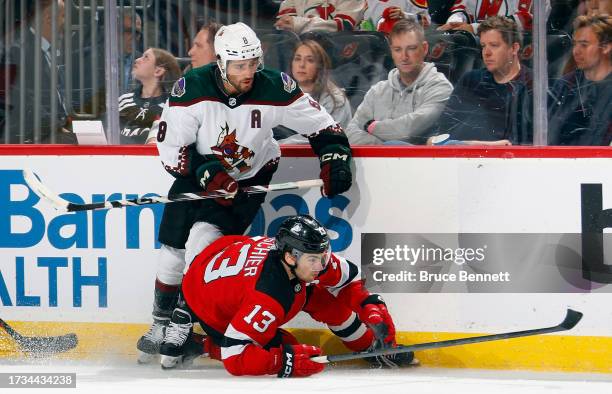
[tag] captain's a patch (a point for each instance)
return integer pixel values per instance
(178, 89)
(288, 83)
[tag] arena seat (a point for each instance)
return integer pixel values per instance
(278, 46)
(453, 52)
(558, 52)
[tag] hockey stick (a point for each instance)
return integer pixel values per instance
(64, 205)
(41, 345)
(571, 319)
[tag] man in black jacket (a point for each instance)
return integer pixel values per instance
(493, 104)
(580, 102)
(38, 111)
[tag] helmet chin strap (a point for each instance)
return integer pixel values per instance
(294, 267)
(226, 79)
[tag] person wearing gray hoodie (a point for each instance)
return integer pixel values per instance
(403, 108)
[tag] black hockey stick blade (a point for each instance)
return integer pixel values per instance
(571, 319)
(66, 206)
(41, 345)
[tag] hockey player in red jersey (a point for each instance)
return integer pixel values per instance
(216, 133)
(242, 290)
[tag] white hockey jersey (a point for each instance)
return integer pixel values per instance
(474, 11)
(325, 15)
(411, 8)
(201, 122)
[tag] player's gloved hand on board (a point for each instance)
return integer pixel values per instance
(336, 173)
(375, 315)
(212, 177)
(295, 360)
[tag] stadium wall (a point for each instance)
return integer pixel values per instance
(92, 273)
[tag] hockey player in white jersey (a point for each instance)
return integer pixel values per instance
(216, 133)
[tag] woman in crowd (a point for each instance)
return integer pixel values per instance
(156, 71)
(311, 68)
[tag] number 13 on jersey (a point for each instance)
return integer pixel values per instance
(259, 321)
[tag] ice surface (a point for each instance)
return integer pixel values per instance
(122, 376)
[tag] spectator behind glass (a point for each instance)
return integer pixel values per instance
(52, 129)
(581, 102)
(492, 106)
(310, 67)
(588, 8)
(595, 7)
(132, 35)
(467, 14)
(156, 70)
(301, 16)
(202, 50)
(382, 14)
(404, 107)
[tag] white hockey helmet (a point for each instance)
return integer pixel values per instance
(236, 42)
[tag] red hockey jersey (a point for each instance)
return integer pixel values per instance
(240, 291)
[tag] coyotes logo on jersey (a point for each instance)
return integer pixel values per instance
(231, 154)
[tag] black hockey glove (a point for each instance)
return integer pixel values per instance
(335, 169)
(212, 177)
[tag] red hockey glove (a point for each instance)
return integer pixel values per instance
(374, 313)
(212, 177)
(296, 361)
(335, 169)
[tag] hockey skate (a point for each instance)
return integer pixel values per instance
(178, 340)
(148, 344)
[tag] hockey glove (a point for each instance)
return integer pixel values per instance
(374, 313)
(335, 169)
(296, 361)
(212, 177)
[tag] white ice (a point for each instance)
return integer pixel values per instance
(121, 376)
